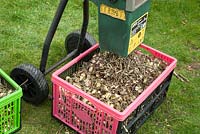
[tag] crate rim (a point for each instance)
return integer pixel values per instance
(16, 94)
(103, 106)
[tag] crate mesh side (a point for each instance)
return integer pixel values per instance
(77, 111)
(7, 116)
(108, 124)
(134, 121)
(9, 113)
(80, 113)
(148, 51)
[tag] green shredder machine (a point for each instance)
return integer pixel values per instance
(122, 24)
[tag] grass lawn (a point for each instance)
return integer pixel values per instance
(173, 27)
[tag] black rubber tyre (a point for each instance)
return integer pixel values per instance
(34, 85)
(71, 43)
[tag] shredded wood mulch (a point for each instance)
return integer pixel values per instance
(4, 90)
(117, 81)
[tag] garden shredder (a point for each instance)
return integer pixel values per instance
(122, 25)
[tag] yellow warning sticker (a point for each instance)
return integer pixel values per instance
(137, 32)
(113, 12)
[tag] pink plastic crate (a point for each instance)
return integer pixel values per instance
(98, 117)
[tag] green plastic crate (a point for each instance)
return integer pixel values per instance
(10, 106)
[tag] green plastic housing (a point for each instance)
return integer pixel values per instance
(10, 106)
(114, 33)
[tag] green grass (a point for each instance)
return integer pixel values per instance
(173, 28)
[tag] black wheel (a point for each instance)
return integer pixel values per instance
(71, 43)
(34, 85)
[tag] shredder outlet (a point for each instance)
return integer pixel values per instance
(122, 24)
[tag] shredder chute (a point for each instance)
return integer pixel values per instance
(122, 24)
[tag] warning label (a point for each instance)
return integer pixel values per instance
(113, 12)
(137, 32)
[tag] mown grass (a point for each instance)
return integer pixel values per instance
(173, 27)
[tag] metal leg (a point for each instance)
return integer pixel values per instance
(51, 33)
(70, 55)
(84, 25)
